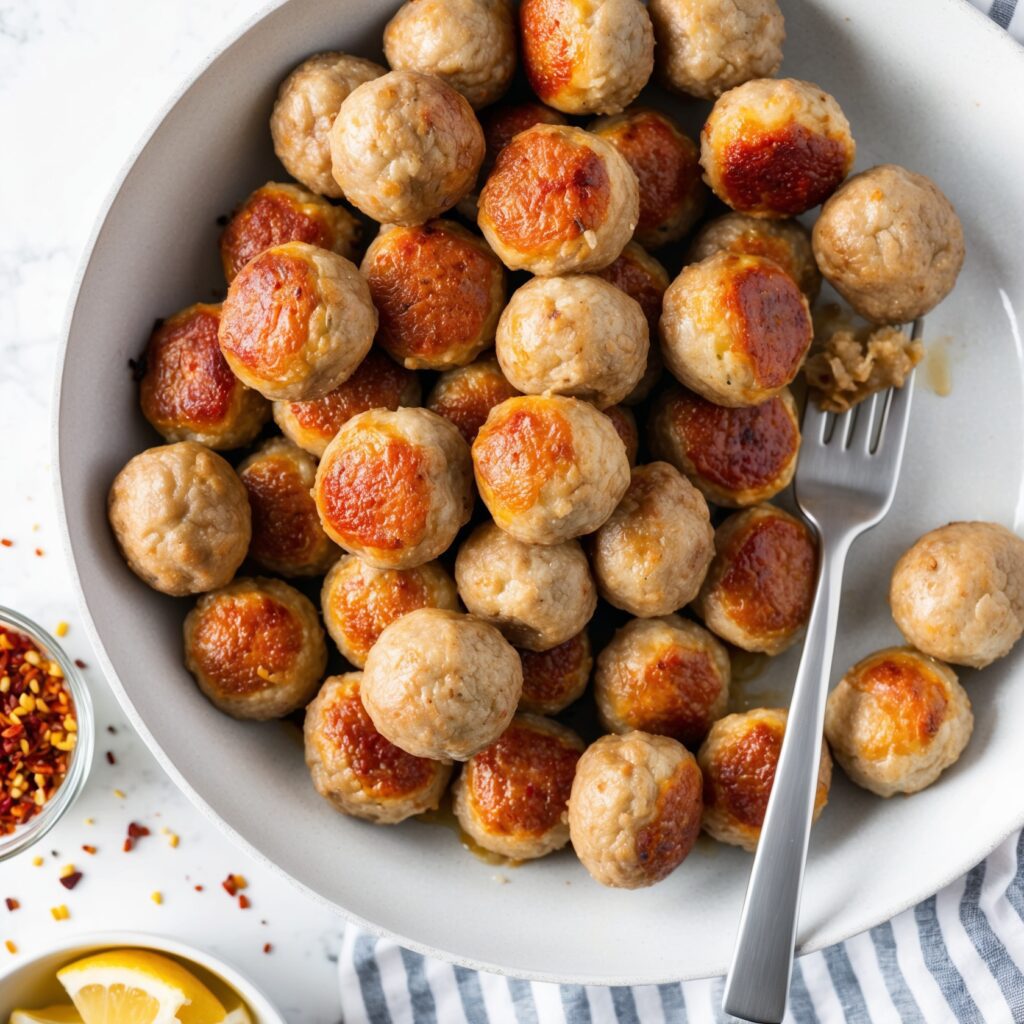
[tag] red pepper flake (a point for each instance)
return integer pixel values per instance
(128, 844)
(243, 901)
(12, 904)
(111, 730)
(91, 850)
(229, 885)
(40, 552)
(198, 888)
(80, 663)
(110, 757)
(267, 947)
(137, 831)
(7, 542)
(70, 881)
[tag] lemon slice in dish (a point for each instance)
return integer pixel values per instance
(236, 1011)
(50, 1015)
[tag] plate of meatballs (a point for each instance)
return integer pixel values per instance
(426, 426)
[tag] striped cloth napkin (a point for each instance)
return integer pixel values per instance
(958, 956)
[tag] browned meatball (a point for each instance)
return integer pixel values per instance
(465, 396)
(625, 426)
(553, 679)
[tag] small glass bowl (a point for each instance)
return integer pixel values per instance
(81, 757)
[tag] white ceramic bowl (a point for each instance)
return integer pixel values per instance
(950, 116)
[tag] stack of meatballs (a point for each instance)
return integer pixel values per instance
(456, 440)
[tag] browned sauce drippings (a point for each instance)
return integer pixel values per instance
(444, 815)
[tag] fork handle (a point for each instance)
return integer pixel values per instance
(757, 985)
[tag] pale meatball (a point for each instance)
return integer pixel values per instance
(359, 602)
(635, 808)
(405, 148)
(395, 487)
(958, 593)
(652, 554)
(554, 679)
(549, 468)
(441, 685)
(297, 322)
(187, 390)
(470, 44)
(512, 798)
(307, 104)
(439, 291)
(538, 595)
(256, 648)
(466, 395)
(739, 759)
(180, 517)
(587, 56)
(776, 147)
(735, 457)
(897, 720)
(578, 336)
(708, 46)
(625, 426)
(735, 329)
(559, 201)
(666, 676)
(890, 243)
(358, 770)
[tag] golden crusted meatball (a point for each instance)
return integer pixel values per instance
(735, 329)
(394, 487)
(467, 394)
(307, 104)
(635, 808)
(651, 556)
(897, 720)
(738, 760)
(549, 468)
(503, 123)
(405, 147)
(377, 383)
(776, 147)
(287, 537)
(708, 46)
(735, 457)
(470, 44)
(442, 685)
(625, 426)
(188, 392)
(553, 679)
(538, 595)
(356, 768)
(890, 243)
(180, 517)
(439, 291)
(512, 798)
(297, 322)
(256, 648)
(359, 602)
(666, 164)
(559, 200)
(587, 56)
(576, 335)
(958, 593)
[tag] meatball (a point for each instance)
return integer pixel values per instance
(439, 291)
(549, 468)
(890, 243)
(635, 808)
(405, 148)
(360, 772)
(738, 759)
(466, 395)
(359, 602)
(395, 487)
(377, 383)
(625, 426)
(587, 56)
(708, 46)
(503, 123)
(180, 517)
(442, 685)
(287, 537)
(958, 593)
(776, 147)
(735, 329)
(188, 392)
(666, 164)
(297, 322)
(735, 457)
(665, 676)
(307, 104)
(256, 648)
(470, 44)
(553, 679)
(539, 596)
(577, 336)
(897, 720)
(559, 200)
(651, 556)
(760, 587)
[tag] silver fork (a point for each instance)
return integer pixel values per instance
(845, 482)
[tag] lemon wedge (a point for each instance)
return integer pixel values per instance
(236, 1011)
(50, 1015)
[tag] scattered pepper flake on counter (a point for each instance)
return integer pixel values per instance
(119, 794)
(110, 757)
(234, 884)
(7, 542)
(11, 947)
(157, 897)
(60, 913)
(198, 888)
(80, 663)
(62, 628)
(70, 881)
(267, 947)
(91, 850)
(12, 904)
(37, 862)
(40, 552)
(243, 902)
